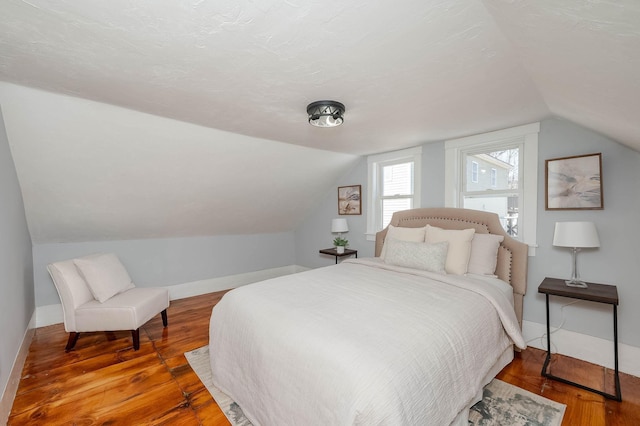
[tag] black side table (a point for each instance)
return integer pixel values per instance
(334, 252)
(601, 293)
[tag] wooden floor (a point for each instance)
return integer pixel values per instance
(104, 381)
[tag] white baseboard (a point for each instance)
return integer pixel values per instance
(587, 348)
(196, 288)
(9, 394)
(52, 314)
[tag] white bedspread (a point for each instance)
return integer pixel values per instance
(359, 343)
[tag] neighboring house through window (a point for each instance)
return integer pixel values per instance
(474, 171)
(497, 172)
(394, 185)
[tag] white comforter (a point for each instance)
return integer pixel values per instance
(360, 343)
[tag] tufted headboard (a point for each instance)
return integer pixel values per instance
(512, 254)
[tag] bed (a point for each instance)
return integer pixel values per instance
(400, 338)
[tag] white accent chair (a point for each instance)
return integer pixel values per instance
(85, 286)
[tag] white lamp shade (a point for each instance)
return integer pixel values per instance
(339, 225)
(576, 234)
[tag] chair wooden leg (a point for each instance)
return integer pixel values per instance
(73, 338)
(165, 321)
(135, 334)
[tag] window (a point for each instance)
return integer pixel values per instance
(497, 172)
(485, 194)
(474, 172)
(394, 185)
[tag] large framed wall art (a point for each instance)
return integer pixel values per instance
(574, 183)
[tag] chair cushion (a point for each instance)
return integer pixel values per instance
(69, 283)
(72, 288)
(104, 274)
(125, 311)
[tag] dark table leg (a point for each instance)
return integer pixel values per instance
(618, 395)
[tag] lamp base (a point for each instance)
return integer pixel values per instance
(576, 283)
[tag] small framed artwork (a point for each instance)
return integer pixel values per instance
(349, 199)
(574, 183)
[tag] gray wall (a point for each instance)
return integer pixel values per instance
(617, 261)
(16, 270)
(315, 231)
(163, 262)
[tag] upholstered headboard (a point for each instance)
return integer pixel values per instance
(512, 254)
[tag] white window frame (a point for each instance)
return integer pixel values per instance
(374, 187)
(527, 136)
(494, 177)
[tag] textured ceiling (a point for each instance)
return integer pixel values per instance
(409, 72)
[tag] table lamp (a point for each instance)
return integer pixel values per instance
(576, 235)
(339, 226)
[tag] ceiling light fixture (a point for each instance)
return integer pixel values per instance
(325, 113)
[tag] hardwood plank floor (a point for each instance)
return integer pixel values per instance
(104, 381)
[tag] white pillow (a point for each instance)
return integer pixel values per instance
(105, 275)
(484, 254)
(402, 234)
(459, 246)
(425, 256)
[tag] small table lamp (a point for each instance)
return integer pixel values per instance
(576, 235)
(339, 225)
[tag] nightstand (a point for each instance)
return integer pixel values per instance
(334, 252)
(600, 293)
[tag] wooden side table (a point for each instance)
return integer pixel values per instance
(600, 293)
(334, 252)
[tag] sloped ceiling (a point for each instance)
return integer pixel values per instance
(242, 72)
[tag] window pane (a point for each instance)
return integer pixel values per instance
(480, 175)
(397, 179)
(506, 206)
(389, 207)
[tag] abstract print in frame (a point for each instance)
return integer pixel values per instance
(574, 183)
(349, 200)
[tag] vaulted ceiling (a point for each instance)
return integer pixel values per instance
(199, 95)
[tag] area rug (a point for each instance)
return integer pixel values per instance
(502, 404)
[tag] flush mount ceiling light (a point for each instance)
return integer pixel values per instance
(325, 113)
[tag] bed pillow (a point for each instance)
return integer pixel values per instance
(459, 246)
(402, 234)
(484, 254)
(105, 275)
(416, 255)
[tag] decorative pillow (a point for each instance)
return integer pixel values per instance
(402, 234)
(105, 275)
(425, 256)
(484, 254)
(459, 246)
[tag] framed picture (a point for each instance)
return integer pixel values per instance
(349, 200)
(574, 183)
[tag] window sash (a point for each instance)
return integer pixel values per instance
(386, 202)
(375, 206)
(518, 193)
